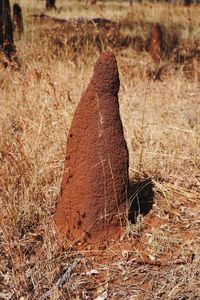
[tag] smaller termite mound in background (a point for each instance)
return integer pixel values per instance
(156, 53)
(18, 25)
(156, 43)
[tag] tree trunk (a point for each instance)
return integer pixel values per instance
(6, 30)
(18, 25)
(50, 4)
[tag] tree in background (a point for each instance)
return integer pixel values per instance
(18, 25)
(51, 4)
(6, 30)
(187, 2)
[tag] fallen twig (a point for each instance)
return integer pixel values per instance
(159, 263)
(61, 280)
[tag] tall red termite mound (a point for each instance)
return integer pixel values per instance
(92, 204)
(156, 43)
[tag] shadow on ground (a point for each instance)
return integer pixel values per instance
(141, 198)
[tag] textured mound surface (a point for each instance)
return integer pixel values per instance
(92, 204)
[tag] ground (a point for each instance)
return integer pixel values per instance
(158, 257)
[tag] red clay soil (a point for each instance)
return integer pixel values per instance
(156, 43)
(92, 205)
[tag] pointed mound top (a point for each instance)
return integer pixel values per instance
(106, 76)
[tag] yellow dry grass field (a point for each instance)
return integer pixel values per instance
(158, 257)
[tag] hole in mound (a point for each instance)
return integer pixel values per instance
(141, 196)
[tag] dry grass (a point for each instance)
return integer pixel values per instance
(158, 257)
